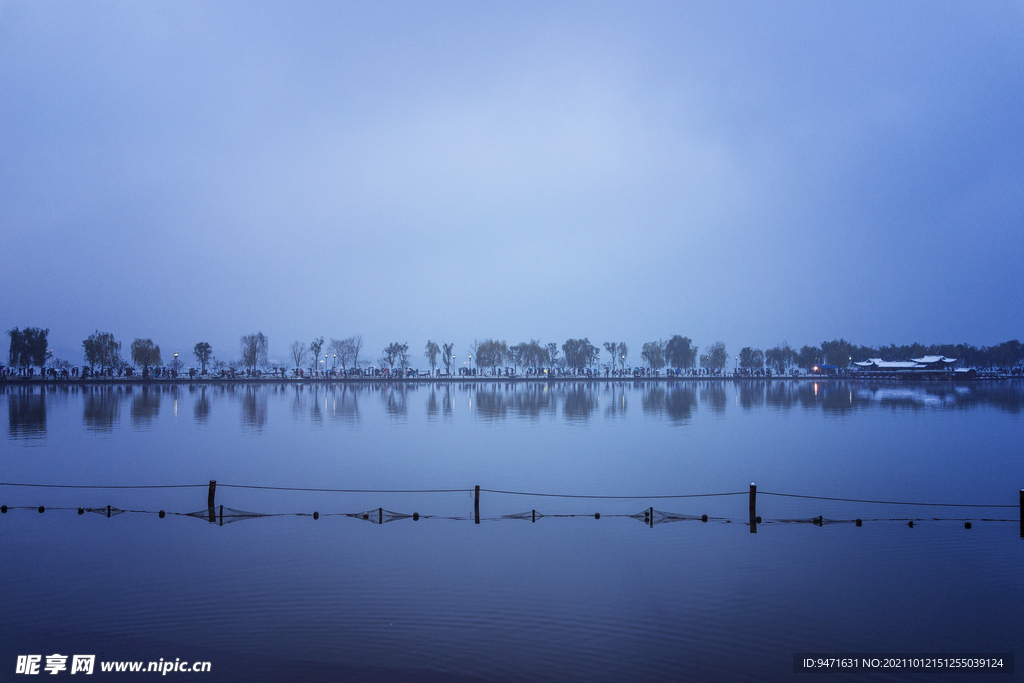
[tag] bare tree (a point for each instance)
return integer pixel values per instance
(579, 353)
(299, 353)
(145, 354)
(356, 344)
(715, 358)
(654, 354)
(342, 354)
(781, 357)
(395, 354)
(314, 348)
(254, 349)
(680, 352)
(431, 351)
(446, 357)
(203, 353)
(553, 359)
(612, 348)
(751, 359)
(622, 352)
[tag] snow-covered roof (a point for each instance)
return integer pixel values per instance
(912, 364)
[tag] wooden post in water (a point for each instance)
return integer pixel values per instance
(380, 515)
(209, 501)
(753, 508)
(222, 515)
(476, 505)
(1021, 515)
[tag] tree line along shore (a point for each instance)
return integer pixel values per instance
(345, 359)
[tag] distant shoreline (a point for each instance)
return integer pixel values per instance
(478, 380)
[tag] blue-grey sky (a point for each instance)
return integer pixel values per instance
(745, 172)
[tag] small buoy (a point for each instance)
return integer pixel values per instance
(703, 518)
(911, 524)
(967, 525)
(757, 520)
(858, 522)
(3, 509)
(597, 515)
(41, 509)
(316, 515)
(366, 515)
(415, 516)
(81, 511)
(162, 514)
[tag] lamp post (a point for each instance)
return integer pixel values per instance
(175, 367)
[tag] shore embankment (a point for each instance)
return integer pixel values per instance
(355, 381)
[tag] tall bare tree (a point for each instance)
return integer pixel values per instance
(145, 354)
(622, 352)
(751, 359)
(203, 353)
(101, 349)
(356, 345)
(430, 352)
(254, 350)
(654, 353)
(314, 348)
(579, 353)
(780, 357)
(613, 351)
(299, 353)
(446, 357)
(680, 352)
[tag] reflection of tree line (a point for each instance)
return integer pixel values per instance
(102, 404)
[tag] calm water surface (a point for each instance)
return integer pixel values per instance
(568, 597)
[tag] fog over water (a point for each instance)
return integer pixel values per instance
(750, 174)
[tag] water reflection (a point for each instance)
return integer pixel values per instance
(395, 399)
(712, 394)
(579, 401)
(101, 409)
(254, 407)
(26, 411)
(616, 403)
(676, 401)
(201, 404)
(145, 404)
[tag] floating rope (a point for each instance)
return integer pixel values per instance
(884, 502)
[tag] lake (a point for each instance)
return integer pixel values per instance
(534, 586)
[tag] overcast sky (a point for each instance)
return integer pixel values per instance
(744, 172)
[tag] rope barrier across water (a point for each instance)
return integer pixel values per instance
(497, 491)
(885, 502)
(568, 495)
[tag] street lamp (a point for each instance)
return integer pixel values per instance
(175, 368)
